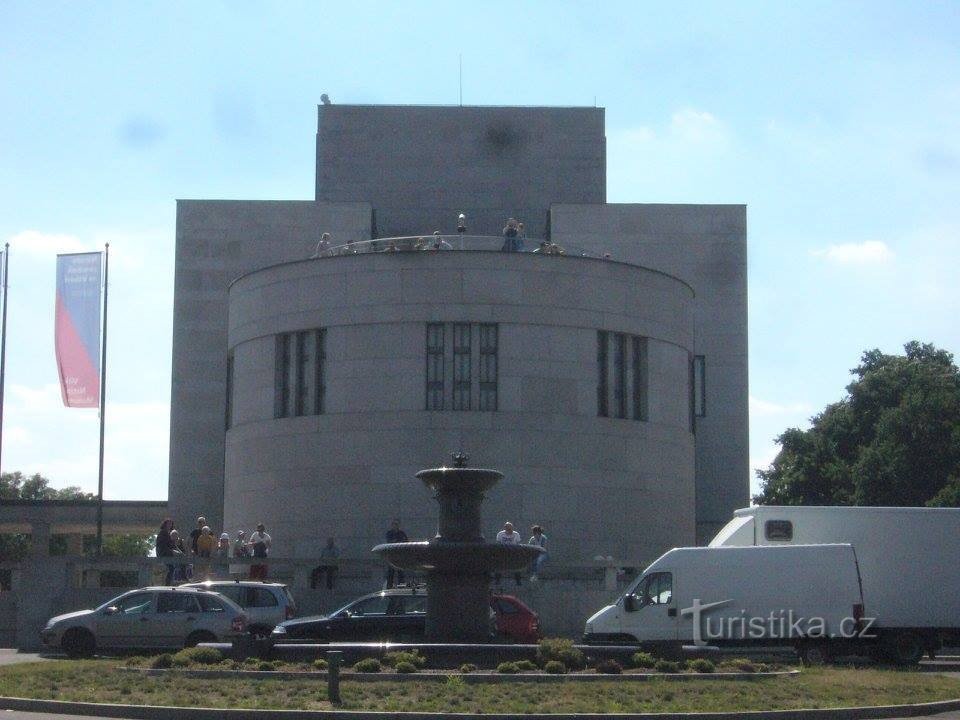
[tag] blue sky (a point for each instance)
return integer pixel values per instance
(837, 123)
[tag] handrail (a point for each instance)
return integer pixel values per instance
(472, 243)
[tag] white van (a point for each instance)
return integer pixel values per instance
(909, 561)
(803, 596)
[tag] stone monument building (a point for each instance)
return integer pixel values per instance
(609, 383)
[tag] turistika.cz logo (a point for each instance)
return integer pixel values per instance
(785, 624)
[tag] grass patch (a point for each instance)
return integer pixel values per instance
(97, 681)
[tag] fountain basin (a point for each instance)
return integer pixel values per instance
(460, 557)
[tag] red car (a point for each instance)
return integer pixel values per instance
(515, 621)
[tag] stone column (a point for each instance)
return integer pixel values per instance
(39, 539)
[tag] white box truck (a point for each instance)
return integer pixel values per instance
(909, 562)
(804, 596)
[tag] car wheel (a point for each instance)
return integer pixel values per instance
(78, 643)
(200, 636)
(905, 648)
(259, 632)
(813, 653)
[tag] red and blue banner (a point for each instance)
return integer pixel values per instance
(77, 334)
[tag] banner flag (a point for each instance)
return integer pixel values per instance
(77, 333)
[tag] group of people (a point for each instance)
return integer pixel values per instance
(514, 240)
(205, 545)
(509, 536)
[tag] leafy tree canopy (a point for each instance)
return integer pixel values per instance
(17, 486)
(893, 440)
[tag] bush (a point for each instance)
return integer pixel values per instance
(702, 665)
(468, 668)
(265, 666)
(742, 665)
(405, 667)
(392, 659)
(508, 668)
(162, 662)
(560, 649)
(643, 660)
(555, 667)
(319, 664)
(198, 656)
(367, 665)
(609, 666)
(666, 666)
(526, 665)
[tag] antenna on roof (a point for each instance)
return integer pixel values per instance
(460, 59)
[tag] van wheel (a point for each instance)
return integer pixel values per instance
(78, 643)
(904, 648)
(200, 636)
(813, 654)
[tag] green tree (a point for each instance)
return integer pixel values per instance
(17, 486)
(893, 440)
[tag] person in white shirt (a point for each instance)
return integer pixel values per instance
(540, 540)
(509, 536)
(259, 545)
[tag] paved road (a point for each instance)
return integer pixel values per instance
(9, 656)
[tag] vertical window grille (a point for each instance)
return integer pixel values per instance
(228, 410)
(320, 389)
(640, 378)
(620, 374)
(602, 409)
(699, 385)
(281, 384)
(488, 367)
(462, 378)
(303, 379)
(298, 374)
(434, 366)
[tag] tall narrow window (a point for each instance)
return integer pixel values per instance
(434, 366)
(298, 374)
(699, 385)
(488, 367)
(461, 366)
(228, 409)
(640, 378)
(620, 374)
(281, 384)
(602, 403)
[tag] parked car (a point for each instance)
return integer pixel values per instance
(151, 617)
(266, 605)
(399, 614)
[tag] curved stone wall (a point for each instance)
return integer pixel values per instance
(598, 485)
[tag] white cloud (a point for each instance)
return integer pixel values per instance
(869, 252)
(766, 408)
(697, 127)
(40, 244)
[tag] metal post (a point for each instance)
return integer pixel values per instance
(103, 397)
(334, 657)
(3, 340)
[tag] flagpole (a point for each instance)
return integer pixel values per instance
(103, 396)
(3, 340)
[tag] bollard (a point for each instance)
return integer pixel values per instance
(333, 676)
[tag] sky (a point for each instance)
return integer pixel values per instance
(836, 123)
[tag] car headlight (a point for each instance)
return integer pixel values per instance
(588, 629)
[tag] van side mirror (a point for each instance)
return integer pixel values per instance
(630, 603)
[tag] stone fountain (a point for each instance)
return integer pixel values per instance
(458, 561)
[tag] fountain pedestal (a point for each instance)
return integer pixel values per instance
(458, 561)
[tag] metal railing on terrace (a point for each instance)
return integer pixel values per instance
(473, 243)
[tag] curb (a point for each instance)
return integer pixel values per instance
(478, 678)
(158, 712)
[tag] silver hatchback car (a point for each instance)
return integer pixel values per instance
(266, 605)
(151, 617)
